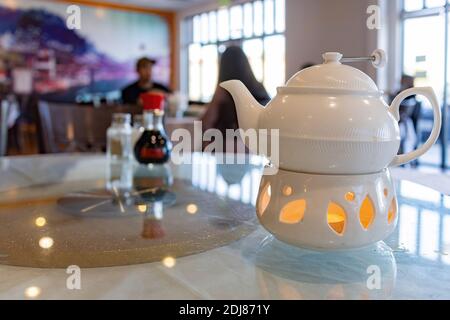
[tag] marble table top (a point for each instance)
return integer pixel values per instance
(413, 263)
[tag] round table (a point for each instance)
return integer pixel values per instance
(413, 263)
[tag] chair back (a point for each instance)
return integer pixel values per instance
(75, 128)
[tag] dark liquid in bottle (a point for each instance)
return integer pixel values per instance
(152, 147)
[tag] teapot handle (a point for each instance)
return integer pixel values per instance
(428, 93)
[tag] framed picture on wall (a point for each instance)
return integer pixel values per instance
(98, 57)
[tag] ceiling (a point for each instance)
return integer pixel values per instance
(160, 4)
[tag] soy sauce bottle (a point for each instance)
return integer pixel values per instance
(153, 146)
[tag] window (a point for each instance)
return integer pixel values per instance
(412, 5)
(257, 26)
(254, 50)
(424, 51)
(434, 3)
(236, 22)
(425, 54)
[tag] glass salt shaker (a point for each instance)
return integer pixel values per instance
(119, 137)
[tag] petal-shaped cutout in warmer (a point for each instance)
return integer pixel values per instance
(264, 199)
(336, 218)
(366, 213)
(293, 212)
(392, 212)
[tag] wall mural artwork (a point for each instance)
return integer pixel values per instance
(68, 65)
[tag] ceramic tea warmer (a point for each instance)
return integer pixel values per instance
(337, 140)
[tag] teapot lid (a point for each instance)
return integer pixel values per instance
(333, 75)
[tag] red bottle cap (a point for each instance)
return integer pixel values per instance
(152, 101)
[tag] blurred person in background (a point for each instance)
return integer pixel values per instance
(221, 113)
(145, 83)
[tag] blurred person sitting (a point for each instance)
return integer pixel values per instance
(221, 113)
(131, 93)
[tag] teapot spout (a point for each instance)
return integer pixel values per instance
(247, 108)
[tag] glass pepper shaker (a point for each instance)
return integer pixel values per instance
(119, 146)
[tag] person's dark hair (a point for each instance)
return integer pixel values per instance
(143, 62)
(234, 65)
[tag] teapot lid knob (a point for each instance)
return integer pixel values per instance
(332, 57)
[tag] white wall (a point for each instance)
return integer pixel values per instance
(318, 26)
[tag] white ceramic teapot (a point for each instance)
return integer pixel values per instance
(332, 119)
